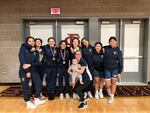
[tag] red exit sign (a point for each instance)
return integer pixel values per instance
(55, 11)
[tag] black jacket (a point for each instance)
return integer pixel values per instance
(28, 57)
(87, 54)
(98, 61)
(60, 59)
(113, 59)
(48, 56)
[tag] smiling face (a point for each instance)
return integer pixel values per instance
(78, 55)
(38, 43)
(51, 42)
(75, 42)
(98, 48)
(85, 42)
(31, 42)
(113, 43)
(63, 45)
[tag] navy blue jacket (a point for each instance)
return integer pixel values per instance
(87, 54)
(28, 57)
(113, 59)
(60, 59)
(98, 61)
(48, 56)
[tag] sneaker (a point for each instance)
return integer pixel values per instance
(85, 94)
(42, 97)
(74, 96)
(96, 95)
(111, 100)
(51, 97)
(61, 96)
(101, 94)
(108, 92)
(67, 96)
(83, 105)
(38, 101)
(89, 94)
(31, 105)
(77, 96)
(86, 99)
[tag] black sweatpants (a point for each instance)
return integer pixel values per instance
(63, 76)
(37, 85)
(80, 88)
(51, 80)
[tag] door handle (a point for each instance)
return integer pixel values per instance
(133, 57)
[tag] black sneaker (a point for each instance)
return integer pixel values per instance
(82, 105)
(51, 97)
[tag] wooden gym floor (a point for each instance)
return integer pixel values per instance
(121, 105)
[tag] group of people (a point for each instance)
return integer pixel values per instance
(85, 64)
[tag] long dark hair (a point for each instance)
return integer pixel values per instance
(51, 38)
(76, 39)
(101, 51)
(62, 41)
(82, 45)
(29, 38)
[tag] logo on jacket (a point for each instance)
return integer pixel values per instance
(115, 53)
(90, 50)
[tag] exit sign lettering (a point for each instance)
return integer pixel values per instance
(55, 11)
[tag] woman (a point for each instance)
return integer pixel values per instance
(87, 53)
(74, 47)
(113, 65)
(50, 56)
(41, 68)
(62, 67)
(98, 61)
(86, 76)
(28, 58)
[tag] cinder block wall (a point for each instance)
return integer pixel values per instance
(12, 11)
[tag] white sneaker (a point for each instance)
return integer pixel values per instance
(77, 96)
(96, 95)
(61, 96)
(85, 94)
(108, 92)
(38, 101)
(74, 96)
(67, 96)
(42, 97)
(111, 100)
(89, 94)
(101, 94)
(31, 105)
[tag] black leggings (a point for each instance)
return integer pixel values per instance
(79, 88)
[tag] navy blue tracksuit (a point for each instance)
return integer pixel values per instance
(41, 69)
(51, 65)
(113, 59)
(28, 57)
(87, 54)
(62, 68)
